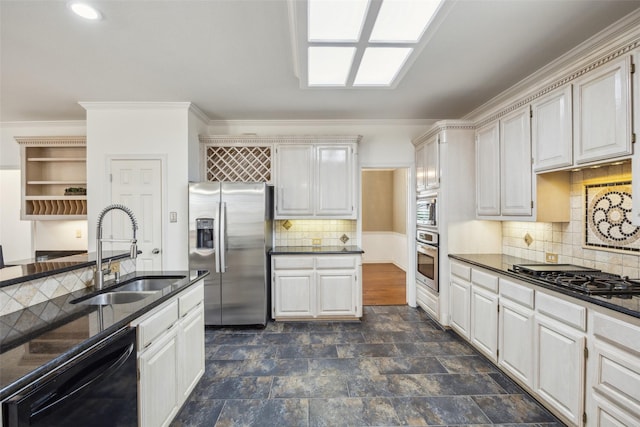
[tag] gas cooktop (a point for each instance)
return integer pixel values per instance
(586, 280)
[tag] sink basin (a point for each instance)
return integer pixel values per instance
(143, 284)
(109, 298)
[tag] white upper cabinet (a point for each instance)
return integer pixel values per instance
(515, 163)
(551, 130)
(602, 112)
(294, 180)
(335, 181)
(488, 170)
(316, 181)
(635, 163)
(428, 165)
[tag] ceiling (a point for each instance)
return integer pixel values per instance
(234, 58)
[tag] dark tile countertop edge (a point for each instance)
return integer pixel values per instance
(307, 250)
(20, 273)
(501, 264)
(192, 277)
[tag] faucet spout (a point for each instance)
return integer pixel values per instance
(133, 253)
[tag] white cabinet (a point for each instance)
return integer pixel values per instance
(158, 366)
(428, 165)
(635, 162)
(488, 170)
(613, 371)
(560, 355)
(460, 300)
(294, 177)
(170, 355)
(428, 300)
(316, 286)
(516, 197)
(551, 130)
(516, 331)
(293, 293)
(602, 112)
(316, 181)
(484, 313)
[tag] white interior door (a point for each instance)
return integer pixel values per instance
(137, 184)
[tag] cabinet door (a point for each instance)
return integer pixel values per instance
(460, 294)
(293, 293)
(602, 112)
(432, 163)
(294, 188)
(336, 293)
(158, 395)
(635, 162)
(560, 365)
(484, 321)
(551, 130)
(335, 182)
(488, 170)
(191, 339)
(515, 163)
(421, 168)
(515, 340)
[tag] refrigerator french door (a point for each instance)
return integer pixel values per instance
(230, 234)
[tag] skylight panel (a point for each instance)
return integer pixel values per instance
(381, 65)
(403, 20)
(336, 20)
(329, 66)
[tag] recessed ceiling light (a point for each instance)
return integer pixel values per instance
(85, 11)
(329, 66)
(403, 20)
(381, 65)
(336, 20)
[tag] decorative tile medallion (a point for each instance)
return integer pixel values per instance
(608, 217)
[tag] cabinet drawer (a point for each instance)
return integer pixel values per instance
(156, 324)
(621, 334)
(517, 293)
(335, 262)
(561, 310)
(191, 299)
(461, 270)
(486, 280)
(292, 262)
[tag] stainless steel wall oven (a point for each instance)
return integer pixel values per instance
(427, 258)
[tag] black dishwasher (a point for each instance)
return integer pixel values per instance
(98, 388)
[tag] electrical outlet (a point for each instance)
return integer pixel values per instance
(173, 216)
(551, 257)
(316, 242)
(78, 234)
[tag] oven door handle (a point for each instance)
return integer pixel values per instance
(427, 249)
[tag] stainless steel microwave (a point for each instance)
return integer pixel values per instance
(427, 211)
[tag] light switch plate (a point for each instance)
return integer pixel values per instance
(173, 216)
(551, 257)
(316, 242)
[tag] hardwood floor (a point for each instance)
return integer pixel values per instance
(383, 284)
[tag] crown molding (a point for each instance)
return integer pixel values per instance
(47, 124)
(618, 39)
(51, 140)
(109, 105)
(444, 125)
(329, 122)
(199, 113)
(278, 139)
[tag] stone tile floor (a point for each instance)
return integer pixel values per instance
(395, 368)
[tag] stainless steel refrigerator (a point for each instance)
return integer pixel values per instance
(230, 234)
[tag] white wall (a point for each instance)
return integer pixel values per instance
(142, 129)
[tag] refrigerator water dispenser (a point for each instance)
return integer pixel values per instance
(204, 229)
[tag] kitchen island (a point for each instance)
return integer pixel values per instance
(577, 353)
(41, 337)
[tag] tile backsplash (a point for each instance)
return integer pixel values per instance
(566, 239)
(302, 232)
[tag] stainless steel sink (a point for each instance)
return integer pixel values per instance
(143, 284)
(109, 298)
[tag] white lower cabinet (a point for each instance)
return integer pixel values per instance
(170, 355)
(316, 286)
(484, 321)
(428, 300)
(560, 355)
(515, 339)
(460, 301)
(613, 371)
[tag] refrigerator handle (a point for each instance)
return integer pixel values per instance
(216, 243)
(222, 236)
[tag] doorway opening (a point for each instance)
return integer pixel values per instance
(384, 236)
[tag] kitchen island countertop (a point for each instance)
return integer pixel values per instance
(502, 264)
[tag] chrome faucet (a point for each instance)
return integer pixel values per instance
(100, 273)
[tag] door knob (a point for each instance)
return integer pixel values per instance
(155, 251)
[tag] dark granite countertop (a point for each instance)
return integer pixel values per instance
(39, 338)
(503, 263)
(315, 250)
(30, 271)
